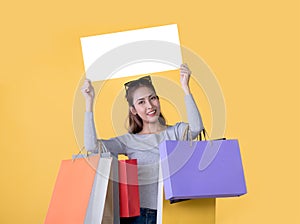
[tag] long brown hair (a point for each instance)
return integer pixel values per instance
(135, 121)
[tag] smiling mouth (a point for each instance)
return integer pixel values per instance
(151, 113)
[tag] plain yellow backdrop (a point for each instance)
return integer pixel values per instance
(251, 46)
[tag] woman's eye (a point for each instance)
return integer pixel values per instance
(141, 102)
(153, 98)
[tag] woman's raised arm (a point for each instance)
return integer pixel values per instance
(90, 136)
(91, 142)
(194, 117)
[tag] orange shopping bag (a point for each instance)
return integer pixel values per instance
(86, 191)
(72, 190)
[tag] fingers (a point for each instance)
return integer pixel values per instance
(87, 86)
(184, 65)
(184, 69)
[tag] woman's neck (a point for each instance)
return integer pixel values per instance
(152, 128)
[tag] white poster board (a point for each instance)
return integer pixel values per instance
(133, 52)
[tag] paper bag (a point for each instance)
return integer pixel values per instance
(202, 169)
(128, 188)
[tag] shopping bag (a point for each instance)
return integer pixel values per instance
(201, 169)
(71, 194)
(103, 205)
(111, 212)
(86, 191)
(128, 188)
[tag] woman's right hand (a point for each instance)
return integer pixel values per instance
(88, 92)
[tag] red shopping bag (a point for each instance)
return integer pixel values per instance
(129, 197)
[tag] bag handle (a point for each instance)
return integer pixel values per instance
(205, 134)
(102, 149)
(187, 133)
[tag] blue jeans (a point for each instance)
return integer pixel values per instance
(148, 216)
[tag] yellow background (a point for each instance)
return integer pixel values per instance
(252, 47)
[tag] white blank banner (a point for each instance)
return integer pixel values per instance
(130, 53)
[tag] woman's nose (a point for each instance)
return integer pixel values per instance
(148, 104)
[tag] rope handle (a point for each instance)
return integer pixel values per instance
(187, 134)
(101, 149)
(205, 135)
(80, 152)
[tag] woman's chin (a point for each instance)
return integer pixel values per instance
(151, 119)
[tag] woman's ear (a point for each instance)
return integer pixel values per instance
(133, 110)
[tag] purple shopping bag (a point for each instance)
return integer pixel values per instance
(201, 169)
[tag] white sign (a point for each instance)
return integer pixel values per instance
(132, 52)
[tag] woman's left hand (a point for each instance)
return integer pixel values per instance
(185, 74)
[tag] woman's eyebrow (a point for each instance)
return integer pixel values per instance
(142, 98)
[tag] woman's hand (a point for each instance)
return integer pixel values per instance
(185, 74)
(88, 92)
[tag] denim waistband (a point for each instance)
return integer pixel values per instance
(148, 211)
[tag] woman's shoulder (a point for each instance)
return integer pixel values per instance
(125, 138)
(177, 130)
(177, 125)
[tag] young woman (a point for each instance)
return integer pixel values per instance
(147, 129)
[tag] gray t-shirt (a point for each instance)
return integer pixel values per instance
(144, 148)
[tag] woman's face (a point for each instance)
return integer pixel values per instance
(146, 105)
